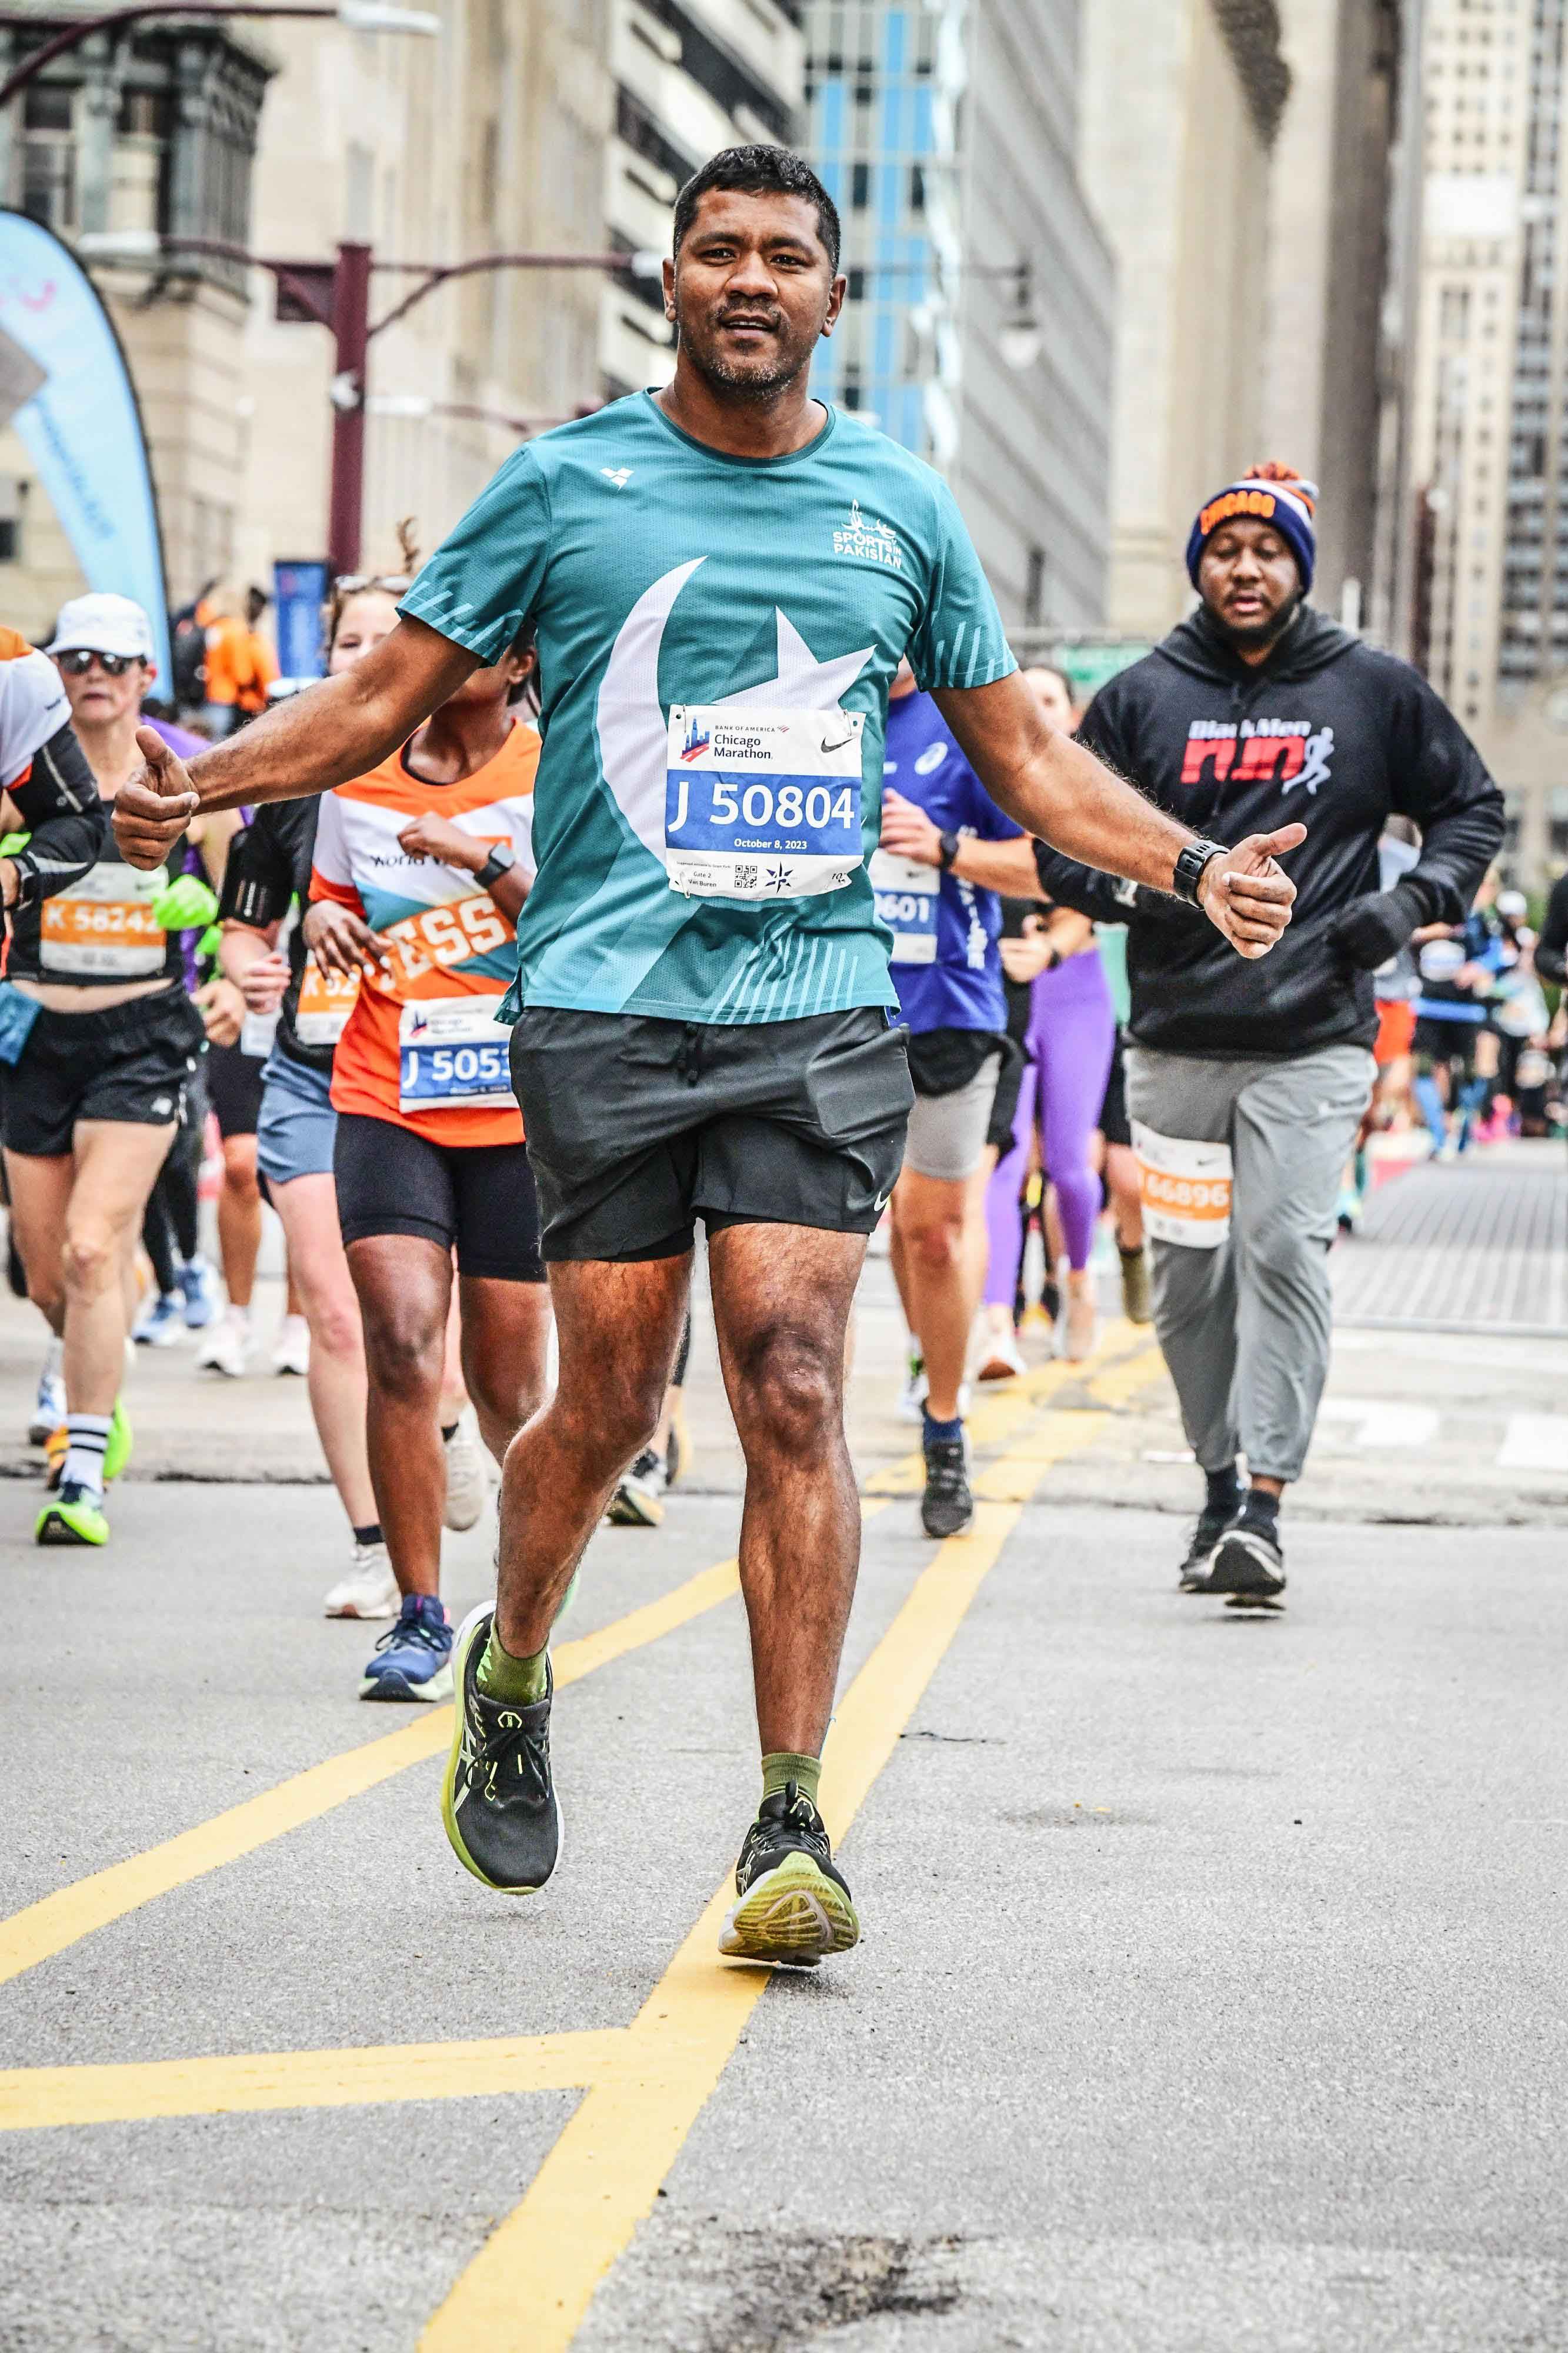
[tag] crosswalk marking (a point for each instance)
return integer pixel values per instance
(1535, 1441)
(1383, 1424)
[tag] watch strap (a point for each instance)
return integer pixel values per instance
(1189, 868)
(500, 861)
(947, 846)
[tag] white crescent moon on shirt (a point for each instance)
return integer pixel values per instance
(632, 722)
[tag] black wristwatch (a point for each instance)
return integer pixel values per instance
(946, 850)
(1190, 865)
(500, 861)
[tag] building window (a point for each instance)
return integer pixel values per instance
(48, 156)
(860, 186)
(1035, 588)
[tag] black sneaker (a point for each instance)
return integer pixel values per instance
(498, 1801)
(794, 1904)
(947, 1507)
(1248, 1567)
(1193, 1577)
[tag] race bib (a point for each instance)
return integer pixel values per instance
(907, 902)
(762, 804)
(257, 1032)
(452, 1053)
(326, 1000)
(103, 925)
(1185, 1189)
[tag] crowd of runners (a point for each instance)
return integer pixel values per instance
(678, 847)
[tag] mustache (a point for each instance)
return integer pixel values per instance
(748, 318)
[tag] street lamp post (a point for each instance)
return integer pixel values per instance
(358, 15)
(336, 295)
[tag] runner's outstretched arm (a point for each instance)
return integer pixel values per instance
(320, 738)
(1054, 788)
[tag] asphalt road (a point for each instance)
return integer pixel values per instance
(1211, 1988)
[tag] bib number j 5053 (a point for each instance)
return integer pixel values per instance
(452, 1054)
(762, 804)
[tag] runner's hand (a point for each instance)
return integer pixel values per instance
(432, 837)
(341, 941)
(153, 810)
(907, 832)
(1025, 959)
(222, 1009)
(1247, 895)
(262, 984)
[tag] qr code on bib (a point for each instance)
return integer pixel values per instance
(745, 878)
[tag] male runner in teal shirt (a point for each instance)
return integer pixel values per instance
(723, 577)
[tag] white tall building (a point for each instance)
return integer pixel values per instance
(689, 77)
(1489, 456)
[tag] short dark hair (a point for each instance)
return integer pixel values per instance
(761, 171)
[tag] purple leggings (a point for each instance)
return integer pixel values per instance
(1072, 1029)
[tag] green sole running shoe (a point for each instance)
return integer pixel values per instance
(71, 1517)
(498, 1801)
(794, 1904)
(121, 1441)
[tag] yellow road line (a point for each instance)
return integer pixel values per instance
(531, 2285)
(32, 2098)
(57, 1921)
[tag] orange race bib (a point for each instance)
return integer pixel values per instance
(1185, 1189)
(326, 1000)
(103, 925)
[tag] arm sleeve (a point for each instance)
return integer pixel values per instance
(1440, 781)
(1551, 947)
(257, 880)
(331, 877)
(482, 582)
(67, 817)
(959, 640)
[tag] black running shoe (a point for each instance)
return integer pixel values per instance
(498, 1801)
(1248, 1568)
(1193, 1577)
(795, 1904)
(947, 1507)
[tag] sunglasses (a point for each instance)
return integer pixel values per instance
(351, 583)
(80, 659)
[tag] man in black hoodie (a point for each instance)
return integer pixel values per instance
(1246, 1082)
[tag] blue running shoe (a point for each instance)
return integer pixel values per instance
(162, 1322)
(199, 1286)
(413, 1659)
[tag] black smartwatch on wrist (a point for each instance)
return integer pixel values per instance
(946, 850)
(1190, 864)
(500, 861)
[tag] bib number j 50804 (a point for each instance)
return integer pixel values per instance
(452, 1054)
(762, 804)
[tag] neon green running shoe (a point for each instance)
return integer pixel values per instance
(117, 1451)
(74, 1516)
(794, 1904)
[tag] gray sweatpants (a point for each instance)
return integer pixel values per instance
(1245, 1328)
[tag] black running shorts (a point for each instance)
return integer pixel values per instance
(636, 1127)
(133, 1062)
(479, 1198)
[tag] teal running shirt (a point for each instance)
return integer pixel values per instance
(716, 641)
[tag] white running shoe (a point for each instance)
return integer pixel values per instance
(370, 1589)
(227, 1346)
(49, 1405)
(1000, 1359)
(467, 1484)
(291, 1349)
(913, 1396)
